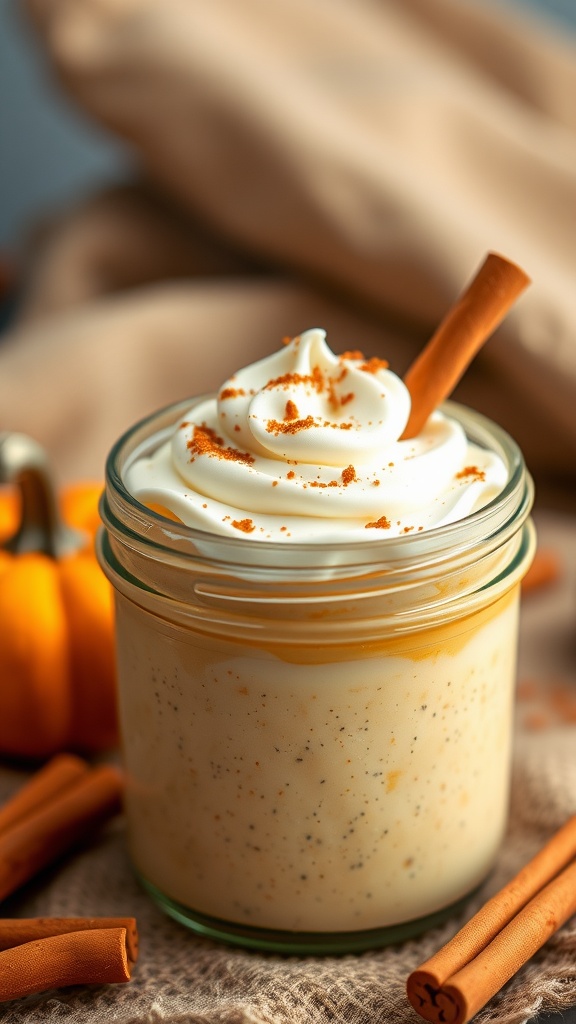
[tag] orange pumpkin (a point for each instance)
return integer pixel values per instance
(57, 671)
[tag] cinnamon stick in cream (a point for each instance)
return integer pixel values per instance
(459, 336)
(454, 983)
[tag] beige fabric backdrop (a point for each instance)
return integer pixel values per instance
(303, 156)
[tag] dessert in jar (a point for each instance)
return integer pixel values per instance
(316, 629)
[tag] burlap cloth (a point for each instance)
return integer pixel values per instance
(180, 978)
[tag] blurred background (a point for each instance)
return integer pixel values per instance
(50, 153)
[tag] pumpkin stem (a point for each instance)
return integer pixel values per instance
(23, 462)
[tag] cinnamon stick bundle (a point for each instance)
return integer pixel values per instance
(48, 815)
(37, 834)
(460, 979)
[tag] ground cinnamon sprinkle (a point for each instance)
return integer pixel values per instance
(546, 702)
(286, 380)
(246, 525)
(206, 441)
(348, 475)
(290, 427)
(321, 383)
(374, 364)
(231, 393)
(471, 471)
(333, 397)
(381, 524)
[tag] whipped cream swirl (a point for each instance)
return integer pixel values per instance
(305, 445)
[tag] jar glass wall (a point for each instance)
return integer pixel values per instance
(317, 737)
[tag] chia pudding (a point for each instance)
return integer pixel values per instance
(316, 628)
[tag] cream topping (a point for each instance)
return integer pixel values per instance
(304, 446)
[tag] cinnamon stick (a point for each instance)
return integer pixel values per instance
(61, 771)
(467, 325)
(19, 930)
(40, 837)
(454, 983)
(96, 956)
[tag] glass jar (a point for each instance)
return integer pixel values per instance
(316, 737)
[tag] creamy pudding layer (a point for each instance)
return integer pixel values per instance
(335, 789)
